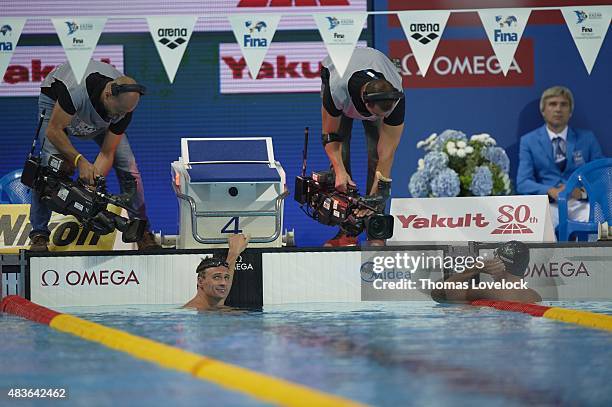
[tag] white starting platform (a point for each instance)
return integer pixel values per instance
(225, 186)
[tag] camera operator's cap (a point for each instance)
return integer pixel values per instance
(515, 256)
(210, 262)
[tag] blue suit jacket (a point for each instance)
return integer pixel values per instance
(537, 171)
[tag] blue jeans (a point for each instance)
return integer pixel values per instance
(124, 165)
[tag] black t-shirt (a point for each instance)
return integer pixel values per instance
(95, 83)
(355, 83)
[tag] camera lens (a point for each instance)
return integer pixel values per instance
(233, 191)
(379, 227)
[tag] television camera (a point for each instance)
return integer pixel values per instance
(87, 203)
(320, 200)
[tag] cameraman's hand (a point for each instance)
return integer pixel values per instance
(362, 213)
(87, 172)
(342, 180)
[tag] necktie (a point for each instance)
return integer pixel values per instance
(559, 150)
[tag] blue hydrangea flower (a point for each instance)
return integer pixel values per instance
(497, 156)
(435, 162)
(482, 181)
(449, 134)
(446, 183)
(419, 184)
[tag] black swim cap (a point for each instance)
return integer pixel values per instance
(515, 256)
(210, 262)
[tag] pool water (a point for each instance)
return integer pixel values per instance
(378, 353)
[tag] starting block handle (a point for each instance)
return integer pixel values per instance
(218, 214)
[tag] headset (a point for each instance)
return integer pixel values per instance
(378, 96)
(116, 89)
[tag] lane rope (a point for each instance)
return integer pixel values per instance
(583, 318)
(261, 386)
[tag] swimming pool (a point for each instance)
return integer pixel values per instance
(379, 353)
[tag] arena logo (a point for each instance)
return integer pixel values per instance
(436, 221)
(420, 31)
(513, 220)
(52, 278)
(167, 37)
(36, 72)
(556, 269)
(282, 69)
(291, 3)
(464, 63)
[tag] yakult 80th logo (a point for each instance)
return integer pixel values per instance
(513, 220)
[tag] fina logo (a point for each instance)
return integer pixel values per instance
(253, 42)
(509, 21)
(259, 26)
(6, 30)
(167, 35)
(419, 28)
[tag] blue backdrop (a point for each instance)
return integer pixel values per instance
(193, 107)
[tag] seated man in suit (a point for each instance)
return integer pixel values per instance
(549, 154)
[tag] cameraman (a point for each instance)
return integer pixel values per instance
(508, 263)
(99, 108)
(370, 91)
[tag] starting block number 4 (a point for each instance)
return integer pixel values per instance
(235, 221)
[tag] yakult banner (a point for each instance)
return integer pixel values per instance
(10, 31)
(340, 33)
(171, 36)
(423, 30)
(492, 218)
(254, 35)
(79, 37)
(31, 65)
(288, 67)
(113, 280)
(504, 27)
(588, 26)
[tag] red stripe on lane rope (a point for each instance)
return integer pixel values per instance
(531, 309)
(16, 305)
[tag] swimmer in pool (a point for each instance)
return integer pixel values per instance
(215, 276)
(508, 264)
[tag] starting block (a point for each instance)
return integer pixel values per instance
(225, 186)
